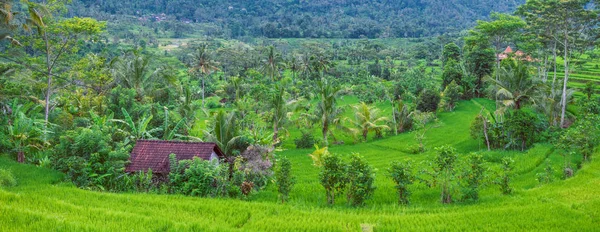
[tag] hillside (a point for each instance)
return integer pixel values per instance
(308, 19)
(42, 202)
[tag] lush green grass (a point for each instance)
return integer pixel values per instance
(42, 202)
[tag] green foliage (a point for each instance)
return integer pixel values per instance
(7, 179)
(402, 175)
(333, 176)
(582, 137)
(428, 101)
(360, 178)
(452, 73)
(443, 174)
(367, 119)
(91, 159)
(547, 176)
(306, 140)
(506, 175)
(452, 94)
(473, 177)
(451, 52)
(284, 179)
(318, 156)
(522, 127)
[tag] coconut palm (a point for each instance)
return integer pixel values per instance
(515, 87)
(327, 112)
(133, 71)
(281, 107)
(273, 63)
(549, 103)
(203, 65)
(367, 119)
(226, 134)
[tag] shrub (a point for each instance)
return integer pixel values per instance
(547, 176)
(361, 178)
(333, 177)
(256, 165)
(442, 173)
(200, 175)
(7, 179)
(402, 175)
(473, 176)
(428, 101)
(307, 140)
(284, 179)
(505, 176)
(452, 94)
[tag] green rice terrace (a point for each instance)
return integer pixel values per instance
(296, 115)
(42, 201)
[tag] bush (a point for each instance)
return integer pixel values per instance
(256, 165)
(284, 179)
(333, 177)
(402, 175)
(7, 179)
(428, 101)
(505, 176)
(547, 176)
(473, 176)
(361, 178)
(307, 140)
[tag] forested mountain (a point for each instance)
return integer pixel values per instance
(309, 19)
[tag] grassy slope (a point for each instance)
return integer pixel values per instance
(41, 202)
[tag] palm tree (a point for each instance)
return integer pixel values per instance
(320, 64)
(273, 63)
(327, 111)
(133, 71)
(366, 119)
(226, 134)
(515, 86)
(204, 65)
(281, 108)
(549, 103)
(294, 65)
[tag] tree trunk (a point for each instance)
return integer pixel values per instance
(21, 157)
(275, 131)
(555, 61)
(485, 129)
(48, 88)
(203, 105)
(564, 91)
(325, 130)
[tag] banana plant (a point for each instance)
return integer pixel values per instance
(140, 129)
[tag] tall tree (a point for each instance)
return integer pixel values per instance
(499, 30)
(515, 86)
(479, 59)
(327, 111)
(575, 31)
(203, 65)
(273, 63)
(56, 39)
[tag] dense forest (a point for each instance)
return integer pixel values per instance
(308, 19)
(324, 117)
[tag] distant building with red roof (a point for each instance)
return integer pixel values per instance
(154, 154)
(508, 52)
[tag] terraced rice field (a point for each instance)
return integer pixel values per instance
(43, 202)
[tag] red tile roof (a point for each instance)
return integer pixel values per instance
(154, 154)
(508, 50)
